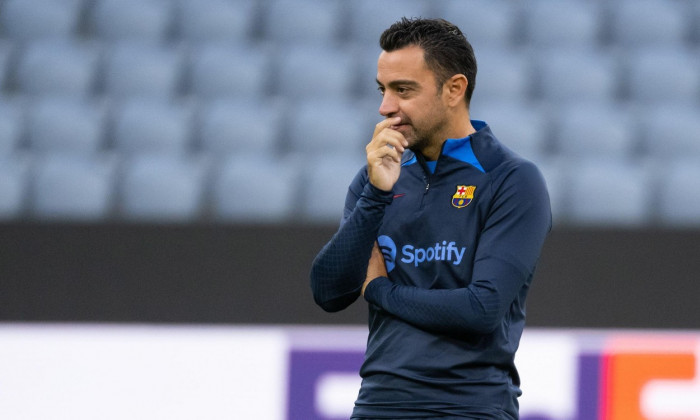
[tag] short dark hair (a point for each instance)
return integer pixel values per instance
(446, 50)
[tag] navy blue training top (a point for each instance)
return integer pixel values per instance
(460, 246)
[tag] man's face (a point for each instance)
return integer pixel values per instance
(409, 91)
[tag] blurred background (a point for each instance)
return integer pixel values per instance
(156, 110)
(182, 161)
(183, 145)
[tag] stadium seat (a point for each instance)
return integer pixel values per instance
(162, 188)
(152, 126)
(225, 70)
(140, 20)
(645, 23)
(679, 196)
(57, 124)
(609, 192)
(255, 189)
(486, 23)
(14, 183)
(369, 18)
(694, 15)
(365, 84)
(239, 126)
(142, 69)
(24, 20)
(307, 71)
(670, 131)
(201, 21)
(73, 187)
(57, 67)
(330, 127)
(562, 23)
(11, 126)
(575, 75)
(553, 170)
(303, 21)
(325, 186)
(660, 75)
(6, 60)
(522, 127)
(592, 129)
(503, 75)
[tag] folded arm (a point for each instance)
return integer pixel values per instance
(339, 270)
(506, 256)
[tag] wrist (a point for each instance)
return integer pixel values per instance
(377, 194)
(376, 289)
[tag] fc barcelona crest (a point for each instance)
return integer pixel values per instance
(463, 196)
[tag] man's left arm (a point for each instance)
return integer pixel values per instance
(508, 250)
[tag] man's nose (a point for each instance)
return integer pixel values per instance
(389, 105)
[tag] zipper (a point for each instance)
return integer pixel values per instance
(426, 179)
(426, 172)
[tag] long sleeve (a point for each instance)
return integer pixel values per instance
(505, 260)
(339, 270)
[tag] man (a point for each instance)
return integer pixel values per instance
(460, 221)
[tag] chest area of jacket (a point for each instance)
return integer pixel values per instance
(433, 226)
(459, 198)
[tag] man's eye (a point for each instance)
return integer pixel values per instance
(381, 90)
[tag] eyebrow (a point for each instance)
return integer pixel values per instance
(395, 83)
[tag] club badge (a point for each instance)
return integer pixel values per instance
(463, 196)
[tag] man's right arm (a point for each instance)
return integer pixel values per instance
(339, 270)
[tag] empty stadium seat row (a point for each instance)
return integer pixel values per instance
(506, 22)
(84, 69)
(332, 127)
(240, 188)
(591, 128)
(218, 126)
(624, 192)
(173, 188)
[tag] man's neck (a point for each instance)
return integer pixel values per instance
(459, 129)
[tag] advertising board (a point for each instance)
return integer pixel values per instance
(114, 371)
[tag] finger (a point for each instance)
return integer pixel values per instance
(384, 152)
(388, 137)
(388, 122)
(390, 143)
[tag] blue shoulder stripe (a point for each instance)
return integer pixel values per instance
(461, 149)
(410, 161)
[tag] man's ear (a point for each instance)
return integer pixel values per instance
(455, 87)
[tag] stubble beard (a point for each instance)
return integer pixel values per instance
(421, 139)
